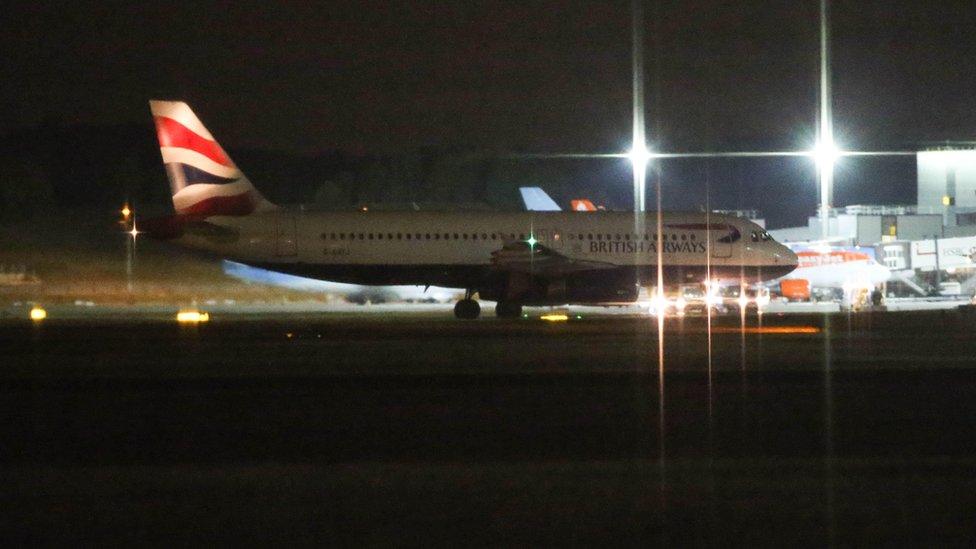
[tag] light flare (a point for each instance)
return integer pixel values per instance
(192, 317)
(38, 314)
(554, 317)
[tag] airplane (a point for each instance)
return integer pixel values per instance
(832, 267)
(514, 259)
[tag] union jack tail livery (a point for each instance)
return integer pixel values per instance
(204, 180)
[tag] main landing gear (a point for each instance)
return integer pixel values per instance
(467, 308)
(508, 309)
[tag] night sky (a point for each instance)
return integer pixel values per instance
(384, 77)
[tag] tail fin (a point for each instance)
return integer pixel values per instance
(536, 200)
(203, 179)
(583, 205)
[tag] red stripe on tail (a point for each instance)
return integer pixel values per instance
(173, 134)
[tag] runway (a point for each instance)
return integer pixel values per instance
(414, 428)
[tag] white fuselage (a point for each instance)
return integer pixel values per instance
(432, 238)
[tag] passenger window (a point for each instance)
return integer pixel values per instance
(599, 236)
(455, 236)
(371, 236)
(484, 236)
(427, 236)
(437, 236)
(447, 236)
(474, 236)
(494, 236)
(464, 236)
(684, 237)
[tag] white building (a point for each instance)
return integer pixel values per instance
(947, 182)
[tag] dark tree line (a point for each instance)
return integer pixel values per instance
(83, 167)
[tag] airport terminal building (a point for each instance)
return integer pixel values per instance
(933, 241)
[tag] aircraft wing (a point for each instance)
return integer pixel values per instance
(536, 259)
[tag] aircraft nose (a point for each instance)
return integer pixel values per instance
(785, 257)
(791, 258)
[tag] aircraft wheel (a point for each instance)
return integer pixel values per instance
(507, 309)
(467, 309)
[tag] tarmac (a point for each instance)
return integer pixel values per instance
(405, 426)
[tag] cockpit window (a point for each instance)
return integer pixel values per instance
(765, 236)
(755, 236)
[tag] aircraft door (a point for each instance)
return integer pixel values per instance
(720, 240)
(286, 239)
